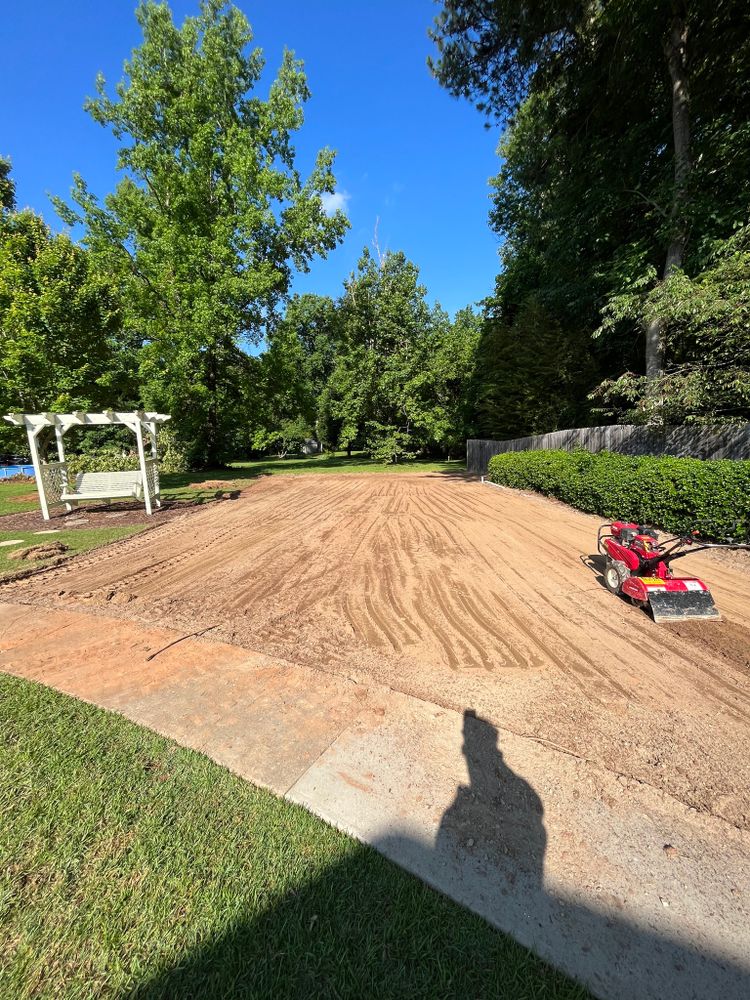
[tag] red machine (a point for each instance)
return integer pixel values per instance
(638, 566)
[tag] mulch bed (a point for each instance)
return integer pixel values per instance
(109, 516)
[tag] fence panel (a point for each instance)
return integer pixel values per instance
(720, 441)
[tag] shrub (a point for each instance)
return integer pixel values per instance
(676, 494)
(117, 459)
(172, 456)
(106, 460)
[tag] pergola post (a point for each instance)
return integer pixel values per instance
(142, 462)
(37, 463)
(69, 504)
(153, 431)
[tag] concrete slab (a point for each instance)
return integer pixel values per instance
(11, 541)
(261, 717)
(547, 848)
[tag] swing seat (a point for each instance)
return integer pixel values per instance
(105, 486)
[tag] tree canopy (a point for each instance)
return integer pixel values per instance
(211, 216)
(625, 139)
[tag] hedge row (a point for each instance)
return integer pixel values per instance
(675, 494)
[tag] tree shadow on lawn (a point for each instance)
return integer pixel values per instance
(366, 929)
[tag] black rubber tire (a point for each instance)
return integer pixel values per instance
(615, 574)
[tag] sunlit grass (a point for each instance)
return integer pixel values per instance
(76, 539)
(130, 867)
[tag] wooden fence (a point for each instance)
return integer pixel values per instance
(721, 441)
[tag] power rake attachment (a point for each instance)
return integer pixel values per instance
(638, 566)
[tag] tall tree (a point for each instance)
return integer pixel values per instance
(60, 336)
(211, 215)
(626, 132)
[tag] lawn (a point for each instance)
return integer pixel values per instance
(77, 540)
(132, 867)
(10, 496)
(176, 486)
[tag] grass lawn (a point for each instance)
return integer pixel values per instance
(132, 867)
(239, 474)
(77, 540)
(10, 493)
(176, 486)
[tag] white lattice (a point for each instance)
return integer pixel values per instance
(152, 477)
(54, 480)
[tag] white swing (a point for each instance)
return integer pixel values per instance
(52, 480)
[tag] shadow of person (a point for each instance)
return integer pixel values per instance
(497, 817)
(355, 927)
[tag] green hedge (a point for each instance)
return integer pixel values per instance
(675, 494)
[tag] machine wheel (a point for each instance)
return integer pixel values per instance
(615, 574)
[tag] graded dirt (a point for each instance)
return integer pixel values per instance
(459, 594)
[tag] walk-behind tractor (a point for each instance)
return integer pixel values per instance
(638, 566)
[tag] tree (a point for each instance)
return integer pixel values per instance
(399, 382)
(211, 215)
(706, 328)
(60, 345)
(7, 187)
(625, 131)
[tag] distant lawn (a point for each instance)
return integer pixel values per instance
(77, 540)
(240, 474)
(9, 496)
(176, 486)
(130, 867)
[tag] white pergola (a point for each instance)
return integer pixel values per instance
(52, 479)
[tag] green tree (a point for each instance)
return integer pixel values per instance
(7, 187)
(625, 139)
(60, 335)
(211, 215)
(399, 382)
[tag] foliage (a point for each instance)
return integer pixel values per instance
(172, 455)
(530, 374)
(588, 200)
(60, 344)
(7, 187)
(211, 215)
(400, 370)
(288, 438)
(107, 460)
(707, 329)
(677, 494)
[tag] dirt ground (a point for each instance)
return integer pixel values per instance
(460, 594)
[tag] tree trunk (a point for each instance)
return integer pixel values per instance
(212, 421)
(675, 50)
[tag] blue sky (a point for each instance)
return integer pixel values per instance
(408, 154)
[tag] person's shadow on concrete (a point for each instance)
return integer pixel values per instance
(497, 817)
(342, 933)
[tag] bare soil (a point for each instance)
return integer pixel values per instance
(457, 593)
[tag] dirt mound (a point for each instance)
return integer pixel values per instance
(214, 484)
(36, 553)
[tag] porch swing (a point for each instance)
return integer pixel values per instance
(52, 479)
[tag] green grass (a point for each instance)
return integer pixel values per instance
(77, 540)
(176, 486)
(240, 474)
(9, 497)
(132, 867)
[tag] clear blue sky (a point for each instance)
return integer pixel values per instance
(408, 153)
